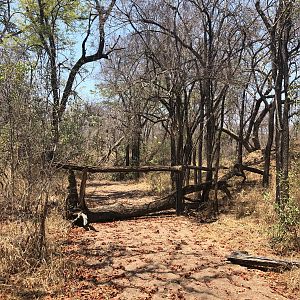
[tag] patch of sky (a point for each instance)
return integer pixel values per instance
(91, 77)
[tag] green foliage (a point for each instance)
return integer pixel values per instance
(285, 232)
(62, 16)
(72, 131)
(82, 135)
(64, 10)
(20, 71)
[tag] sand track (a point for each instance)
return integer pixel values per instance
(166, 258)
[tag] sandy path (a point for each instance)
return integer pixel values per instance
(167, 258)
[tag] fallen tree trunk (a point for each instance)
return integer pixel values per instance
(238, 170)
(262, 263)
(123, 212)
(76, 205)
(253, 170)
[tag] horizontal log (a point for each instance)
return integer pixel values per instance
(196, 188)
(191, 200)
(123, 212)
(92, 169)
(238, 170)
(259, 262)
(253, 170)
(204, 168)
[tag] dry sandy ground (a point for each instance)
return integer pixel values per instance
(166, 257)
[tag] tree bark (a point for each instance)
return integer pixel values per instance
(267, 154)
(279, 33)
(142, 169)
(263, 263)
(136, 144)
(122, 212)
(241, 130)
(72, 200)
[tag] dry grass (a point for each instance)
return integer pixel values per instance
(252, 215)
(292, 279)
(254, 207)
(252, 220)
(158, 183)
(24, 275)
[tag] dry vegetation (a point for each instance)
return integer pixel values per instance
(25, 276)
(255, 209)
(186, 83)
(133, 254)
(28, 269)
(251, 213)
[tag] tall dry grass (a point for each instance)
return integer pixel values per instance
(281, 230)
(32, 261)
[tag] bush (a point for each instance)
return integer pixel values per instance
(159, 183)
(285, 232)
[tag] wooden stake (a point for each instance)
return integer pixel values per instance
(179, 193)
(82, 204)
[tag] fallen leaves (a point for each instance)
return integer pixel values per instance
(166, 257)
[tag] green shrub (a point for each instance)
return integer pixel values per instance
(285, 232)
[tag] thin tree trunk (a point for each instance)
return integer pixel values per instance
(195, 164)
(218, 152)
(241, 130)
(200, 143)
(127, 156)
(267, 154)
(210, 135)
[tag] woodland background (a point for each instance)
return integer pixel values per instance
(135, 83)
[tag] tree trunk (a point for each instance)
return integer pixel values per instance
(218, 153)
(123, 212)
(194, 160)
(136, 144)
(263, 263)
(200, 143)
(241, 130)
(210, 136)
(267, 154)
(279, 30)
(127, 156)
(72, 200)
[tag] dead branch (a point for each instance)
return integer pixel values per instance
(258, 262)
